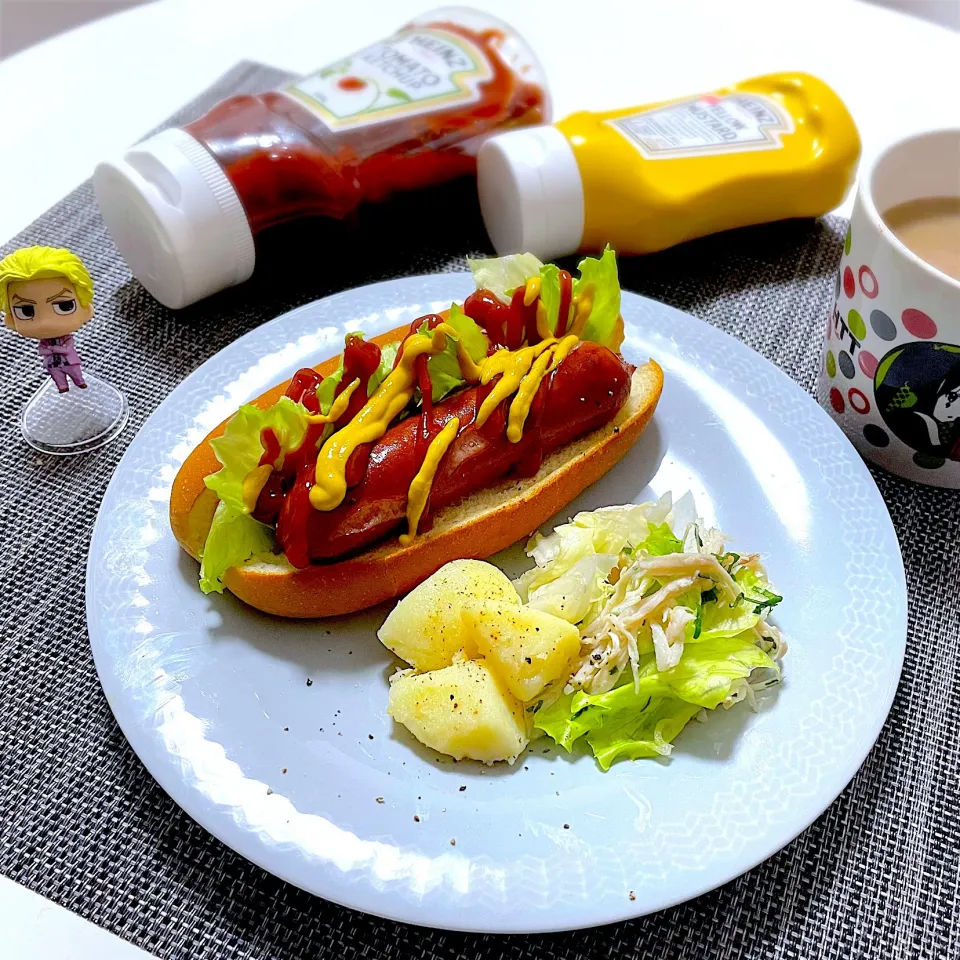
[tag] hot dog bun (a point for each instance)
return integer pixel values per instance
(476, 528)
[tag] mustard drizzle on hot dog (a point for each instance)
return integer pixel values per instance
(520, 374)
(422, 483)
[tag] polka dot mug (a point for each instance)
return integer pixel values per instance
(890, 372)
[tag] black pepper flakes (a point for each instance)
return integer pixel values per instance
(309, 682)
(464, 787)
(566, 826)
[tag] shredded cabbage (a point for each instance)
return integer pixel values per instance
(719, 620)
(671, 626)
(626, 723)
(579, 591)
(609, 530)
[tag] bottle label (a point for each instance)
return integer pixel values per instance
(418, 70)
(707, 125)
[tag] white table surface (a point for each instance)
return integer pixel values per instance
(90, 92)
(36, 929)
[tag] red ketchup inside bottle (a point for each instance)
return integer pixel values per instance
(403, 114)
(188, 206)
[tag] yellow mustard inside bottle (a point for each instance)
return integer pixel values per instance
(646, 178)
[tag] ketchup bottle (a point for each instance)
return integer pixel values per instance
(185, 206)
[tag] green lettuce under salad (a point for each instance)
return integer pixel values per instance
(672, 624)
(235, 538)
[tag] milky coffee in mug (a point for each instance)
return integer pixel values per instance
(930, 228)
(890, 372)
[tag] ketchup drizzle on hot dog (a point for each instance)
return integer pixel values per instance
(585, 391)
(303, 388)
(488, 312)
(521, 320)
(271, 446)
(510, 325)
(361, 360)
(284, 500)
(295, 512)
(425, 384)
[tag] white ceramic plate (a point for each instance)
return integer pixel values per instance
(274, 735)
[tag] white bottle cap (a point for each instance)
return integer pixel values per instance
(175, 218)
(531, 193)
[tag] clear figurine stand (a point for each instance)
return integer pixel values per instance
(81, 420)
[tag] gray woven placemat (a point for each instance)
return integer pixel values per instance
(84, 824)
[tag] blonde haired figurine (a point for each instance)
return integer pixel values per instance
(46, 294)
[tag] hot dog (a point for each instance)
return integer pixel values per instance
(586, 391)
(358, 453)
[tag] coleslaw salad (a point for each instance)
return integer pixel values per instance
(672, 626)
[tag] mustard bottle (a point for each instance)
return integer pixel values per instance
(646, 178)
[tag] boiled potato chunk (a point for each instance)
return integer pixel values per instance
(462, 710)
(425, 627)
(528, 648)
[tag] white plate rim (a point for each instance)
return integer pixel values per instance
(184, 797)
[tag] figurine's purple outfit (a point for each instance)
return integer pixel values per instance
(61, 360)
